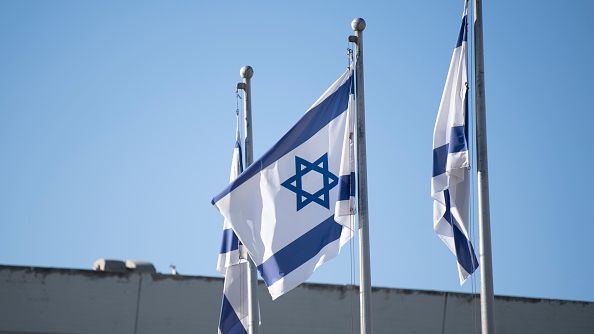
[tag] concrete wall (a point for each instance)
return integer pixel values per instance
(42, 300)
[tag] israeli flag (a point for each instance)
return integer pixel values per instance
(234, 307)
(450, 182)
(292, 209)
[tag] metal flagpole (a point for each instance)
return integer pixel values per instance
(358, 26)
(246, 73)
(487, 299)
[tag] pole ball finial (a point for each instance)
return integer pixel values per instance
(246, 72)
(358, 24)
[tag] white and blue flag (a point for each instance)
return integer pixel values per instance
(292, 208)
(450, 182)
(234, 307)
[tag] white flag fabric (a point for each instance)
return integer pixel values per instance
(292, 208)
(234, 307)
(450, 182)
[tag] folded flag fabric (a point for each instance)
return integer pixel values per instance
(229, 253)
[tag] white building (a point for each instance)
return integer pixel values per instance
(47, 300)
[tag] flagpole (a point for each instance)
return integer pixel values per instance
(358, 26)
(246, 73)
(487, 299)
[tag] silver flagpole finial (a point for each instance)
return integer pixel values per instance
(246, 72)
(358, 24)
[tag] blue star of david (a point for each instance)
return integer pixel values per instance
(294, 183)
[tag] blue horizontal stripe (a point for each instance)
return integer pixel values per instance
(457, 139)
(229, 323)
(312, 122)
(463, 35)
(230, 241)
(457, 144)
(346, 187)
(299, 251)
(464, 250)
(440, 159)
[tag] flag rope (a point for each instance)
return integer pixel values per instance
(242, 274)
(350, 61)
(472, 157)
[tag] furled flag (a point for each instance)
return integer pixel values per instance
(450, 182)
(229, 254)
(292, 208)
(234, 308)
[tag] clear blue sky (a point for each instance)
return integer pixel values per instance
(117, 124)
